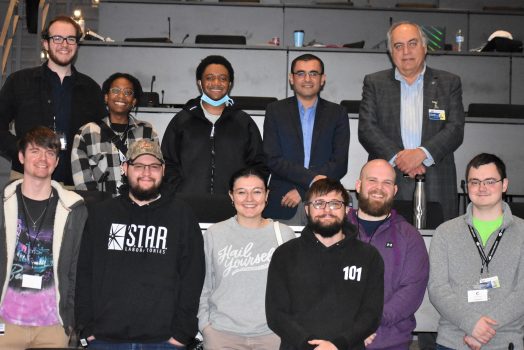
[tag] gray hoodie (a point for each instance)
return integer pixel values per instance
(455, 267)
(237, 260)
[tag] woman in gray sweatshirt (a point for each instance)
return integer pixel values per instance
(238, 250)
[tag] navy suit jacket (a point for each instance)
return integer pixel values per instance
(284, 149)
(379, 131)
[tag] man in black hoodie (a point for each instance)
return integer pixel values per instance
(325, 289)
(141, 266)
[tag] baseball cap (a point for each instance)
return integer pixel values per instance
(144, 146)
(500, 34)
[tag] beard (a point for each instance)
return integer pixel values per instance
(373, 207)
(60, 61)
(326, 230)
(144, 194)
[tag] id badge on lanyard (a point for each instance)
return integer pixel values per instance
(480, 291)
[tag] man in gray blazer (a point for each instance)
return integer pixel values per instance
(413, 117)
(306, 138)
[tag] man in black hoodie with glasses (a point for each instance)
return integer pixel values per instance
(325, 289)
(141, 266)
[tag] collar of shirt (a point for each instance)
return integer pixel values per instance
(54, 76)
(307, 121)
(402, 80)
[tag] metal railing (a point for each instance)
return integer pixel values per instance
(43, 11)
(6, 36)
(11, 24)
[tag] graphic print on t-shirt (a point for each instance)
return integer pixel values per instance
(242, 259)
(138, 238)
(33, 259)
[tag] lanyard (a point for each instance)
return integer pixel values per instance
(37, 232)
(486, 259)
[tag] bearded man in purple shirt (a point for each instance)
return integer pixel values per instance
(406, 264)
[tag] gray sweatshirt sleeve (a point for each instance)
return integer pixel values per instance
(448, 303)
(511, 308)
(287, 232)
(203, 309)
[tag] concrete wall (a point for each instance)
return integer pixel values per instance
(323, 23)
(262, 71)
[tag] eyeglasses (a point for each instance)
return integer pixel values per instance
(321, 204)
(117, 91)
(154, 168)
(221, 78)
(411, 45)
(486, 182)
(312, 74)
(58, 39)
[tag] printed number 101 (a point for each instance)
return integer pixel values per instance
(352, 273)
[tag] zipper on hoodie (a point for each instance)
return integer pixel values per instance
(212, 179)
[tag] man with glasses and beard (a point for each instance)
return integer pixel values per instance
(325, 289)
(141, 266)
(406, 262)
(54, 95)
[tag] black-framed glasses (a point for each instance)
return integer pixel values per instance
(155, 167)
(321, 204)
(485, 182)
(58, 39)
(117, 91)
(312, 74)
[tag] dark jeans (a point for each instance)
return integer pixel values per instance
(442, 347)
(104, 345)
(427, 340)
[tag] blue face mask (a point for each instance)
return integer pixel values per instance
(226, 99)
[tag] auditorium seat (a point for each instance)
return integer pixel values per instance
(352, 106)
(5, 171)
(434, 214)
(91, 198)
(252, 102)
(220, 39)
(495, 110)
(517, 209)
(209, 208)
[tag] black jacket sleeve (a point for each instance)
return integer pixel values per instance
(170, 149)
(7, 113)
(255, 156)
(84, 284)
(191, 270)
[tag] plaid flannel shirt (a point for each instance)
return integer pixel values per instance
(95, 160)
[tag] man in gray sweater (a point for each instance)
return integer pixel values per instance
(477, 266)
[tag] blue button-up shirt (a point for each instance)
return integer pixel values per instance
(307, 120)
(411, 114)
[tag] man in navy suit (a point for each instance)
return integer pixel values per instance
(413, 117)
(306, 138)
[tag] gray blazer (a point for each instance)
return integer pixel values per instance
(379, 131)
